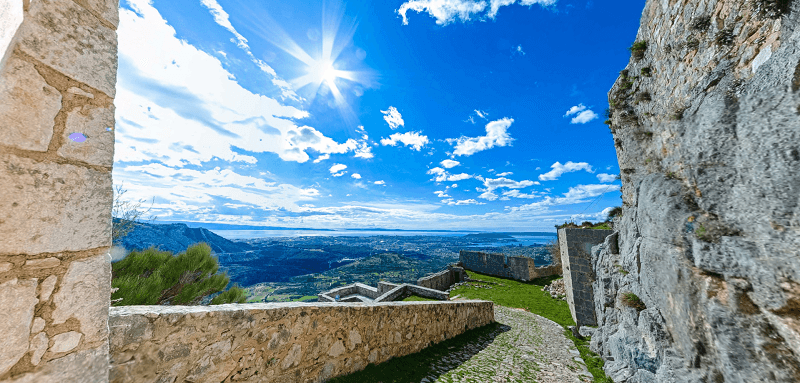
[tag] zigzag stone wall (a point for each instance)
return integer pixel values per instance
(57, 77)
(277, 342)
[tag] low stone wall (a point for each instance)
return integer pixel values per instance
(576, 262)
(519, 268)
(355, 288)
(443, 279)
(277, 342)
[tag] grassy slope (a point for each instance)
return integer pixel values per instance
(415, 298)
(504, 292)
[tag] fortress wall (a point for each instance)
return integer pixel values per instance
(519, 268)
(444, 279)
(279, 342)
(576, 262)
(57, 77)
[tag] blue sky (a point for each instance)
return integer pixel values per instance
(420, 114)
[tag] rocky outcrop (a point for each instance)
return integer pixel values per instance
(702, 281)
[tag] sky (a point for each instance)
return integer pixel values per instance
(417, 115)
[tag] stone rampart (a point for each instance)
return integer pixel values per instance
(500, 265)
(576, 262)
(443, 279)
(58, 65)
(277, 342)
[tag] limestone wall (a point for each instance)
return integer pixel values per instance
(576, 263)
(443, 279)
(57, 77)
(277, 342)
(519, 268)
(706, 123)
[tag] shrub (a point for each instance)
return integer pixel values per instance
(701, 23)
(637, 49)
(632, 300)
(615, 212)
(153, 277)
(646, 72)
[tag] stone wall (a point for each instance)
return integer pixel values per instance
(57, 77)
(576, 262)
(443, 279)
(277, 342)
(519, 268)
(708, 139)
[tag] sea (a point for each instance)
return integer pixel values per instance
(522, 239)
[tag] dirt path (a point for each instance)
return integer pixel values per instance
(526, 348)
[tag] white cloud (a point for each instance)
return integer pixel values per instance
(577, 194)
(502, 182)
(441, 194)
(221, 17)
(393, 118)
(337, 170)
(379, 182)
(413, 139)
(454, 186)
(322, 158)
(496, 135)
(575, 109)
(518, 50)
(448, 11)
(603, 177)
(488, 196)
(481, 113)
(356, 176)
(584, 117)
(505, 174)
(469, 202)
(442, 175)
(558, 169)
(448, 164)
(444, 11)
(178, 105)
(516, 194)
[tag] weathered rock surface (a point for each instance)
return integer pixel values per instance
(706, 122)
(277, 342)
(19, 299)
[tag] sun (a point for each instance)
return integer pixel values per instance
(327, 73)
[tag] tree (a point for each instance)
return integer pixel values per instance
(615, 212)
(125, 216)
(153, 277)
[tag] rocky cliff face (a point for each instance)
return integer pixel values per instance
(706, 123)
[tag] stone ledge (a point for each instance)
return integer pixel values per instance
(278, 341)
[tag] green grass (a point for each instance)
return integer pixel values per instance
(415, 298)
(603, 226)
(306, 298)
(524, 295)
(415, 367)
(594, 363)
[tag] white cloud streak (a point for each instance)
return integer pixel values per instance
(558, 169)
(448, 164)
(603, 177)
(413, 139)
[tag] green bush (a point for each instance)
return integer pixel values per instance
(633, 300)
(153, 277)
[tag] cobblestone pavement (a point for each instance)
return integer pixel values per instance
(526, 348)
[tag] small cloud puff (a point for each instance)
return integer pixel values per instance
(558, 169)
(448, 164)
(356, 176)
(379, 182)
(337, 170)
(393, 118)
(583, 114)
(496, 135)
(603, 177)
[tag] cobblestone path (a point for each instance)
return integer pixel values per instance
(526, 348)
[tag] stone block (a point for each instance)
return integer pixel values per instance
(28, 106)
(84, 366)
(107, 9)
(49, 208)
(70, 39)
(65, 342)
(11, 16)
(84, 295)
(45, 263)
(92, 121)
(18, 300)
(38, 347)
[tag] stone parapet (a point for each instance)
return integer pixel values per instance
(277, 342)
(443, 279)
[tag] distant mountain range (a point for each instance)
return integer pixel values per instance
(177, 237)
